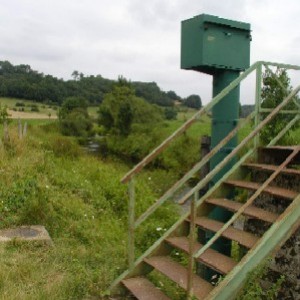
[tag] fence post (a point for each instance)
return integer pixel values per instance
(6, 135)
(25, 129)
(20, 128)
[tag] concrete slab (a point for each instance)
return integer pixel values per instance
(26, 233)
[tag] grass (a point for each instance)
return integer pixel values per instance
(43, 108)
(46, 179)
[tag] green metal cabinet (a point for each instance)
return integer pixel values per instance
(219, 47)
(210, 43)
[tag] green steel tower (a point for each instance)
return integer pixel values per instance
(221, 48)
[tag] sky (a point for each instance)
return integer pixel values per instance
(137, 39)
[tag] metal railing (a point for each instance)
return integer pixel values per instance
(133, 223)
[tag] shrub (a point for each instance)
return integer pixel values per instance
(170, 113)
(34, 108)
(272, 95)
(20, 104)
(121, 109)
(74, 119)
(76, 123)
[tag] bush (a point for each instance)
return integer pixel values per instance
(34, 108)
(272, 95)
(170, 113)
(193, 101)
(74, 119)
(76, 123)
(121, 109)
(20, 104)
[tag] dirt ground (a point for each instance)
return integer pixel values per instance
(29, 115)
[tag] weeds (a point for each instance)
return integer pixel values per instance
(80, 201)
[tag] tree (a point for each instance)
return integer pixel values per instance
(170, 113)
(125, 118)
(193, 101)
(74, 118)
(272, 95)
(120, 109)
(173, 95)
(75, 75)
(70, 104)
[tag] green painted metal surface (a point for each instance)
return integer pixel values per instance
(209, 43)
(225, 117)
(219, 47)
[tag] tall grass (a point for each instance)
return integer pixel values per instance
(46, 179)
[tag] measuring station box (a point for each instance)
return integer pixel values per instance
(210, 43)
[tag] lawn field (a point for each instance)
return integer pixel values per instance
(29, 110)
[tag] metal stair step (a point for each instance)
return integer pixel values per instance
(271, 168)
(250, 211)
(179, 275)
(277, 154)
(244, 238)
(291, 148)
(211, 258)
(272, 190)
(143, 289)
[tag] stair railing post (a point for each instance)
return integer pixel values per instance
(258, 101)
(131, 223)
(192, 237)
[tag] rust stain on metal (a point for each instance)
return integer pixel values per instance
(250, 211)
(179, 275)
(272, 190)
(244, 238)
(272, 168)
(217, 261)
(143, 289)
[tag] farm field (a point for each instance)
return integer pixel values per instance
(25, 109)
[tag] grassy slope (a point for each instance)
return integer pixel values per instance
(46, 180)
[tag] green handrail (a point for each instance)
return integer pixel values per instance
(130, 175)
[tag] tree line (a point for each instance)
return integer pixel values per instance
(22, 82)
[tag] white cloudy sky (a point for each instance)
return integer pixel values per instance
(139, 39)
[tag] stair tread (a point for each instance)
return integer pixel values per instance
(272, 190)
(212, 258)
(282, 147)
(250, 211)
(272, 168)
(179, 274)
(244, 238)
(277, 154)
(143, 289)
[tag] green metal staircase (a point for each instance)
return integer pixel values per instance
(272, 161)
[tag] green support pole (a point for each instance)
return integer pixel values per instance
(225, 117)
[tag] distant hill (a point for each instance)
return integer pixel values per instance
(22, 82)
